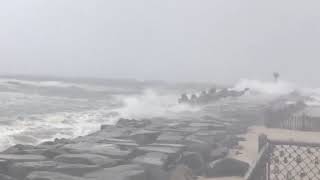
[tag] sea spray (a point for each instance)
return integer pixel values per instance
(64, 117)
(152, 104)
(266, 87)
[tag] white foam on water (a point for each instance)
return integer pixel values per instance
(314, 94)
(36, 128)
(273, 89)
(266, 87)
(152, 104)
(12, 82)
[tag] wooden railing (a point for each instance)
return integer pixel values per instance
(286, 160)
(300, 122)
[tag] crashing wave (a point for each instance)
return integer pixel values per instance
(266, 87)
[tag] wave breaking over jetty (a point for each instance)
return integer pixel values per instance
(80, 130)
(36, 110)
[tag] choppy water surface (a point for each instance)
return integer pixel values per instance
(33, 111)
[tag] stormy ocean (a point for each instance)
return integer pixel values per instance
(36, 109)
(40, 109)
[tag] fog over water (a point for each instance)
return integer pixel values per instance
(234, 43)
(33, 110)
(177, 40)
(159, 89)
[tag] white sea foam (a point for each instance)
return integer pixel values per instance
(37, 127)
(35, 83)
(275, 89)
(152, 104)
(266, 87)
(12, 82)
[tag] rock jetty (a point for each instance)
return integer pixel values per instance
(152, 149)
(213, 95)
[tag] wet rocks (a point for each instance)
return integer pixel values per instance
(21, 157)
(182, 172)
(121, 143)
(143, 137)
(89, 159)
(153, 158)
(20, 170)
(124, 172)
(97, 148)
(202, 148)
(194, 161)
(133, 123)
(218, 153)
(19, 149)
(5, 177)
(130, 150)
(208, 126)
(156, 173)
(227, 167)
(43, 175)
(4, 166)
(155, 164)
(75, 169)
(53, 152)
(161, 149)
(170, 137)
(107, 132)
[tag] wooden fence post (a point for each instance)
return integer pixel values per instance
(262, 141)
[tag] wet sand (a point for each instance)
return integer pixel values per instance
(249, 147)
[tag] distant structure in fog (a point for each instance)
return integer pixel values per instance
(276, 76)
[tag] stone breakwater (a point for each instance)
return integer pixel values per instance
(156, 149)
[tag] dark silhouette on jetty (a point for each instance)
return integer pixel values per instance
(210, 96)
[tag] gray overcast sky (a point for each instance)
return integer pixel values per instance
(203, 40)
